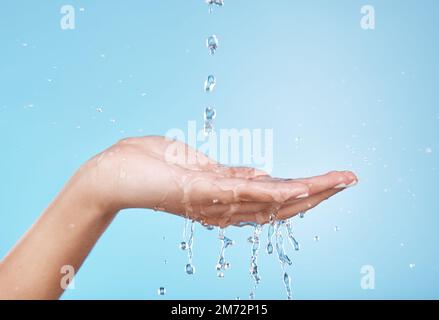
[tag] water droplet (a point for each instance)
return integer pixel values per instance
(218, 3)
(287, 283)
(220, 274)
(212, 44)
(254, 258)
(283, 258)
(190, 269)
(183, 245)
(210, 83)
(99, 109)
(412, 265)
(270, 248)
(215, 200)
(270, 237)
(302, 215)
(428, 150)
(291, 238)
(336, 228)
(161, 291)
(316, 238)
(210, 114)
(209, 117)
(222, 265)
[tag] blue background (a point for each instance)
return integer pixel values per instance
(361, 100)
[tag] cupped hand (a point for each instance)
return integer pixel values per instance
(167, 175)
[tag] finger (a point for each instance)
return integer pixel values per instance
(305, 204)
(240, 172)
(227, 214)
(333, 179)
(265, 191)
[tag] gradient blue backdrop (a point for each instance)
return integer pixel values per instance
(360, 100)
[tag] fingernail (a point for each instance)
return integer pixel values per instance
(302, 196)
(340, 186)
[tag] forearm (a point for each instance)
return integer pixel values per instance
(63, 236)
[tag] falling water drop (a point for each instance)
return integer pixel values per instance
(189, 248)
(284, 260)
(212, 44)
(183, 245)
(222, 265)
(316, 238)
(211, 3)
(161, 291)
(291, 238)
(336, 228)
(190, 269)
(287, 283)
(209, 117)
(270, 238)
(302, 215)
(281, 255)
(254, 272)
(210, 83)
(270, 248)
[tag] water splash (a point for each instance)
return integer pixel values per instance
(255, 240)
(222, 265)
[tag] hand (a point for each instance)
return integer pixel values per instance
(149, 172)
(156, 173)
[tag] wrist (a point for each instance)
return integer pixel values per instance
(83, 192)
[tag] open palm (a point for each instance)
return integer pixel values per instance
(153, 172)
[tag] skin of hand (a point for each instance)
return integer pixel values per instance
(149, 172)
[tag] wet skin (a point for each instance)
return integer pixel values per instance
(154, 173)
